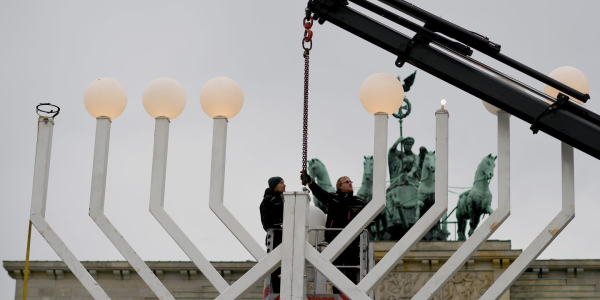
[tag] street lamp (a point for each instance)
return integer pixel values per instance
(222, 98)
(571, 77)
(105, 99)
(164, 99)
(382, 94)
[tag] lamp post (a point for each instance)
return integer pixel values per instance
(164, 99)
(222, 98)
(575, 79)
(105, 99)
(381, 95)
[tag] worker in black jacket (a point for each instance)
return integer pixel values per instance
(342, 206)
(271, 216)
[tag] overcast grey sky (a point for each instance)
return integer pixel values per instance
(51, 50)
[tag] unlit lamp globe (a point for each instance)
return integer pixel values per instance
(221, 97)
(105, 97)
(571, 77)
(492, 109)
(164, 97)
(381, 93)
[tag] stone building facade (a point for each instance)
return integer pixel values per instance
(545, 279)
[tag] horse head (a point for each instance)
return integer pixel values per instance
(316, 168)
(485, 170)
(368, 169)
(428, 167)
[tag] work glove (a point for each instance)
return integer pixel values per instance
(305, 178)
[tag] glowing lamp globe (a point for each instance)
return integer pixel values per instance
(221, 97)
(164, 97)
(316, 218)
(571, 77)
(105, 97)
(381, 93)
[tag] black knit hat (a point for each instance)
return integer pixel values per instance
(274, 181)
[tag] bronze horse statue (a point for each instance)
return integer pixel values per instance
(366, 188)
(379, 226)
(477, 201)
(426, 190)
(318, 172)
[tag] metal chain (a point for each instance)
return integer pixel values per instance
(305, 125)
(306, 39)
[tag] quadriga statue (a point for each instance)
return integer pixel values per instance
(477, 201)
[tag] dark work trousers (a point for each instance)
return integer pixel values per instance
(351, 258)
(275, 280)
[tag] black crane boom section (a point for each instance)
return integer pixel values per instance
(571, 123)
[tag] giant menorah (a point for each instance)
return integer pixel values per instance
(221, 99)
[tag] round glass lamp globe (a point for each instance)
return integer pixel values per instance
(164, 97)
(381, 93)
(492, 109)
(221, 97)
(105, 97)
(570, 76)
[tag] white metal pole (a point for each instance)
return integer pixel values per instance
(157, 198)
(97, 211)
(217, 189)
(377, 204)
(293, 259)
(38, 210)
(287, 244)
(564, 217)
(433, 215)
(460, 257)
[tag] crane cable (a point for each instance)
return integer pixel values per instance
(307, 23)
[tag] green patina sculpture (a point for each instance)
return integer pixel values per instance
(366, 187)
(318, 172)
(379, 226)
(477, 201)
(426, 190)
(405, 173)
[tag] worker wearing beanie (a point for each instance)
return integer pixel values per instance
(271, 216)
